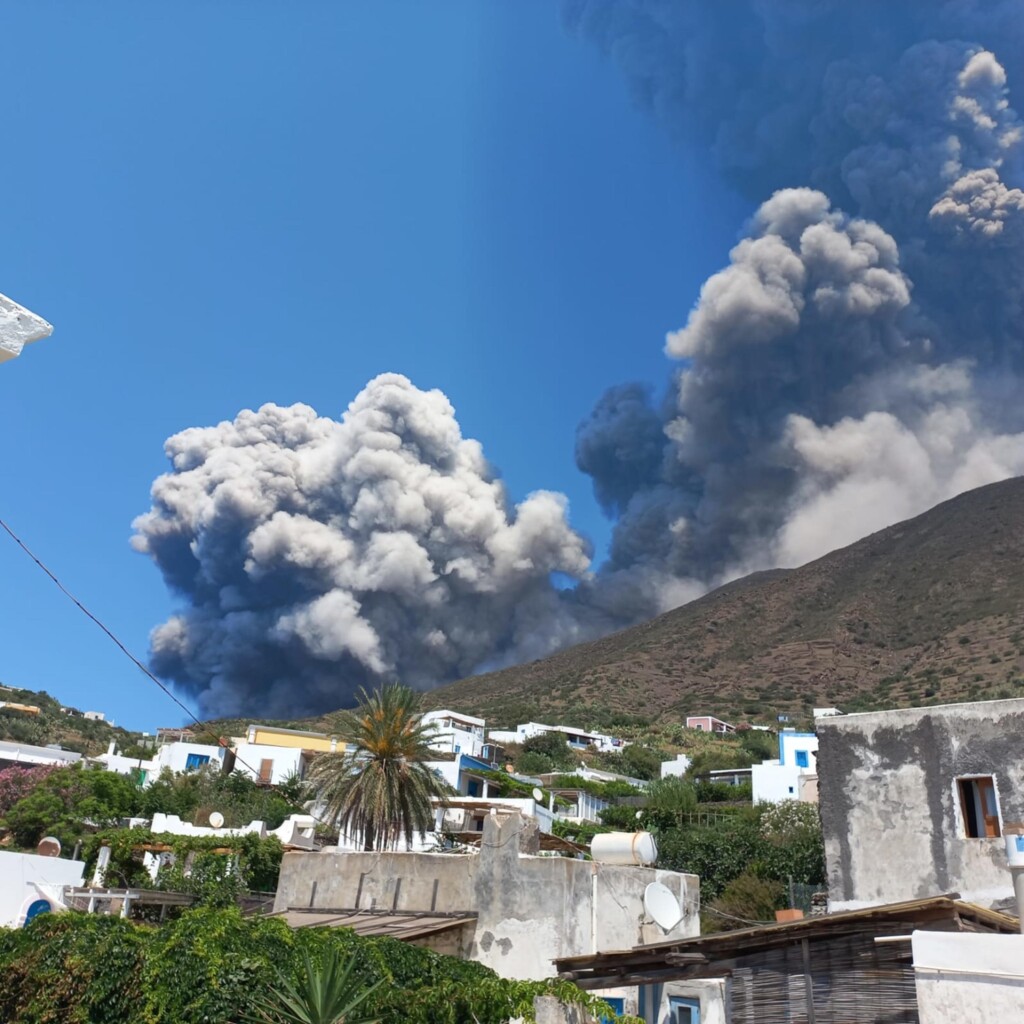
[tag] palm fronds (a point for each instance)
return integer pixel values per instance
(381, 787)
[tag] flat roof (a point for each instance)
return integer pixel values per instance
(290, 732)
(456, 714)
(396, 924)
(10, 746)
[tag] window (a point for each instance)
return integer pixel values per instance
(683, 1011)
(473, 788)
(802, 760)
(979, 807)
(194, 761)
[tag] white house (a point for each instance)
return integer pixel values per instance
(577, 739)
(31, 884)
(270, 754)
(791, 776)
(454, 733)
(143, 770)
(26, 754)
(19, 327)
(185, 756)
(677, 767)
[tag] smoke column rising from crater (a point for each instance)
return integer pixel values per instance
(856, 360)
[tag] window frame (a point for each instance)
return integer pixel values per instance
(978, 785)
(690, 1003)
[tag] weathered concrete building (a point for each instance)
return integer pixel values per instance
(511, 910)
(914, 802)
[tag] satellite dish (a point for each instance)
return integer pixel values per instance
(661, 906)
(49, 846)
(216, 819)
(538, 795)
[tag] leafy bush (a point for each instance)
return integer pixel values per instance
(641, 761)
(552, 746)
(775, 842)
(65, 802)
(745, 901)
(16, 783)
(214, 967)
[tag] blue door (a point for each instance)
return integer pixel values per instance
(37, 907)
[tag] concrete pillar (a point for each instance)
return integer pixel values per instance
(102, 860)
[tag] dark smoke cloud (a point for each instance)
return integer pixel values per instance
(857, 359)
(318, 555)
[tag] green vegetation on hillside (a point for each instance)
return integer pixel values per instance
(52, 726)
(924, 612)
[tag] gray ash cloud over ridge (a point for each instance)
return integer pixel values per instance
(857, 359)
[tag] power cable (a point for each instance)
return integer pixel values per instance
(124, 650)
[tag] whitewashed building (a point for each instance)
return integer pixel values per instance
(793, 775)
(577, 739)
(454, 733)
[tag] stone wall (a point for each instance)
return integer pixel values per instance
(530, 909)
(890, 808)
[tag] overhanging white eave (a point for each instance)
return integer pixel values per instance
(18, 327)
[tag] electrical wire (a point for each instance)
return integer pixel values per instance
(124, 650)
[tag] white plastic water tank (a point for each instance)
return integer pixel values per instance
(1015, 850)
(624, 848)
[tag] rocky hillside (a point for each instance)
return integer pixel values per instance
(930, 610)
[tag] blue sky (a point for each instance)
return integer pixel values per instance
(221, 204)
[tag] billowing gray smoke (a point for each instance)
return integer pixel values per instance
(319, 555)
(857, 360)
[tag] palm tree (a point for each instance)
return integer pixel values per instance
(381, 788)
(328, 994)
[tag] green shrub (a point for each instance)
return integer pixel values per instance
(212, 966)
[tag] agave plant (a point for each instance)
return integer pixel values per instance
(325, 994)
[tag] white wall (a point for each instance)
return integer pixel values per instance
(676, 767)
(25, 877)
(449, 731)
(964, 977)
(708, 993)
(175, 755)
(26, 753)
(780, 779)
(287, 760)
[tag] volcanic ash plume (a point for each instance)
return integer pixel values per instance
(857, 359)
(318, 555)
(860, 357)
